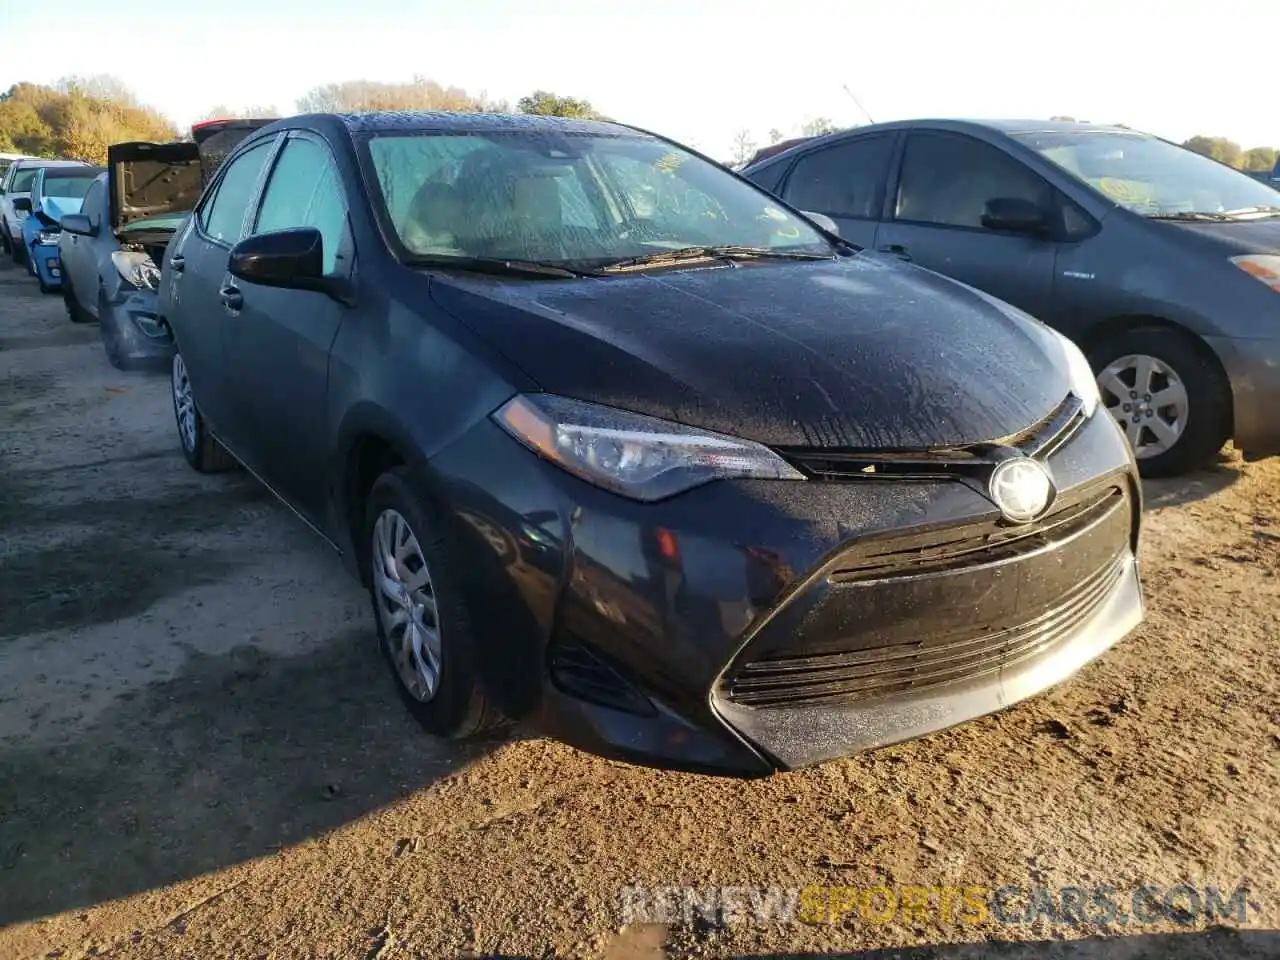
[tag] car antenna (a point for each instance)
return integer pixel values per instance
(846, 89)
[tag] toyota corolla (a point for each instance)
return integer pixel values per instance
(621, 444)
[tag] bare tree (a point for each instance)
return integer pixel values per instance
(743, 146)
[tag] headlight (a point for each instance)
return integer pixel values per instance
(49, 237)
(1261, 266)
(637, 456)
(137, 269)
(1083, 382)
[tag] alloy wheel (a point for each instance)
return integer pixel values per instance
(184, 405)
(1148, 399)
(406, 604)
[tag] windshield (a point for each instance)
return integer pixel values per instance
(1150, 176)
(569, 199)
(68, 186)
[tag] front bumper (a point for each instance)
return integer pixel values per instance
(1253, 366)
(637, 630)
(131, 328)
(47, 264)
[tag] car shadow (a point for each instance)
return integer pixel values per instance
(239, 755)
(1215, 943)
(1162, 492)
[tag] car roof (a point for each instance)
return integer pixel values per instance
(40, 162)
(446, 121)
(952, 124)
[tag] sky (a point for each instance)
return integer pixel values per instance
(698, 71)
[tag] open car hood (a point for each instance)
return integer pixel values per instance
(149, 179)
(53, 209)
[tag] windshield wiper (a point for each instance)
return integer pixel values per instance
(1189, 215)
(722, 252)
(1265, 210)
(496, 265)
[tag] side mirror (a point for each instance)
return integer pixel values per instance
(822, 220)
(1015, 215)
(78, 223)
(22, 204)
(292, 258)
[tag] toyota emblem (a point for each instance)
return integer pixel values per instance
(1022, 489)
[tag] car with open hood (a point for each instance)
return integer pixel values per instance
(1162, 264)
(111, 248)
(56, 193)
(623, 445)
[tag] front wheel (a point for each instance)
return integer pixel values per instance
(199, 446)
(75, 312)
(424, 627)
(1170, 399)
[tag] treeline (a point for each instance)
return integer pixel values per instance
(1223, 150)
(1231, 153)
(76, 118)
(79, 117)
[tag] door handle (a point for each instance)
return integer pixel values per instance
(232, 298)
(177, 262)
(897, 249)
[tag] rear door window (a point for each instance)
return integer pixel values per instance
(222, 216)
(843, 180)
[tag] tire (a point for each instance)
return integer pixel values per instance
(457, 707)
(44, 287)
(199, 446)
(6, 245)
(1205, 418)
(75, 312)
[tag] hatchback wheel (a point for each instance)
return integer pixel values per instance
(199, 446)
(5, 245)
(424, 629)
(1173, 402)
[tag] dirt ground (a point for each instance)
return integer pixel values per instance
(201, 755)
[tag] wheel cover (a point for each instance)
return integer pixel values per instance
(406, 604)
(1148, 399)
(184, 405)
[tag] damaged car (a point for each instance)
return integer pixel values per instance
(56, 192)
(623, 445)
(111, 248)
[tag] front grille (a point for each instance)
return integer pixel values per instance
(973, 460)
(582, 671)
(971, 544)
(869, 674)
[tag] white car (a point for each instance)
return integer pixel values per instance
(16, 183)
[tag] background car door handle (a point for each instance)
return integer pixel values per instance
(897, 249)
(232, 298)
(177, 262)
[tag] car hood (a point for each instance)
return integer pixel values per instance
(149, 179)
(55, 208)
(856, 353)
(1236, 236)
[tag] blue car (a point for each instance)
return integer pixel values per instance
(55, 192)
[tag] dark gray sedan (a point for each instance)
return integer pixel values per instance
(1162, 264)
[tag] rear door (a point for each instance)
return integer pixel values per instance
(935, 219)
(278, 343)
(846, 181)
(197, 273)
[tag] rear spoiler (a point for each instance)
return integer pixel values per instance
(202, 131)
